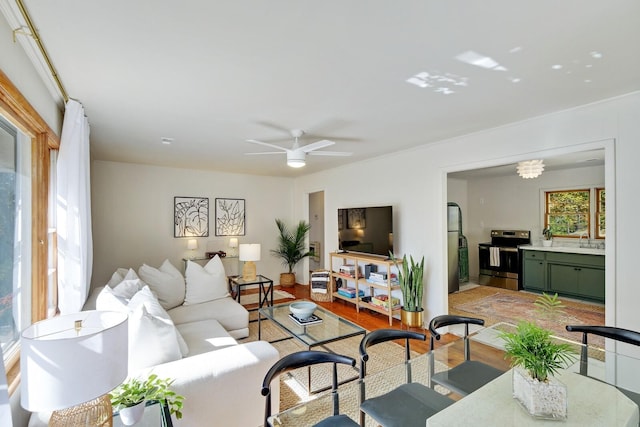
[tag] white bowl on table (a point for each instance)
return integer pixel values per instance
(302, 309)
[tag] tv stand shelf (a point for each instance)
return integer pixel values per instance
(356, 279)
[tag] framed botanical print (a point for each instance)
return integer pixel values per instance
(230, 217)
(190, 217)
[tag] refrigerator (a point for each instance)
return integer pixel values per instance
(457, 248)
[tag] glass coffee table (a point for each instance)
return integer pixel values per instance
(332, 328)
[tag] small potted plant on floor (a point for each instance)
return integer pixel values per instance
(291, 249)
(410, 279)
(129, 397)
(536, 358)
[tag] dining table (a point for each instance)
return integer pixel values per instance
(594, 399)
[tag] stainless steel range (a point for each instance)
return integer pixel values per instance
(500, 260)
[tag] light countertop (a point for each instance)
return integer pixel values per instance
(564, 249)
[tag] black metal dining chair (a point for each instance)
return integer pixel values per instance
(618, 334)
(409, 404)
(469, 375)
(302, 359)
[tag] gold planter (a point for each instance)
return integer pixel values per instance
(287, 279)
(412, 319)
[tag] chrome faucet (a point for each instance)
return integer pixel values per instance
(583, 234)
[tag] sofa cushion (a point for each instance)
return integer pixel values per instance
(227, 311)
(107, 300)
(121, 274)
(152, 340)
(166, 282)
(204, 336)
(206, 283)
(145, 297)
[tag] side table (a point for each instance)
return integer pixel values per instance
(265, 289)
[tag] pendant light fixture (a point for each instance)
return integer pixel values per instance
(530, 168)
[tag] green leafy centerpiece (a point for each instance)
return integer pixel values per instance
(536, 357)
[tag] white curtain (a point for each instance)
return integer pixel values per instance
(73, 204)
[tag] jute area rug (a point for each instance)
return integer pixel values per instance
(496, 305)
(310, 408)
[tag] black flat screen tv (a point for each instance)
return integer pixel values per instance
(366, 230)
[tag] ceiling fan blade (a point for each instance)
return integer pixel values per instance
(266, 152)
(330, 153)
(266, 144)
(317, 145)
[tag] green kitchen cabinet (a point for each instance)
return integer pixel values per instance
(534, 268)
(576, 275)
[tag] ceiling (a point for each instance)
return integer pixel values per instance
(212, 74)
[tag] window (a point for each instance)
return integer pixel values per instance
(600, 218)
(571, 213)
(27, 144)
(15, 233)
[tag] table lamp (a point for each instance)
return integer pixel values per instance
(192, 245)
(69, 363)
(249, 252)
(233, 244)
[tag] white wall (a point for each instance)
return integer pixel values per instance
(133, 214)
(415, 183)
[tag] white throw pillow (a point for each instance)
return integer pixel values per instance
(206, 283)
(166, 282)
(152, 341)
(128, 288)
(146, 298)
(107, 300)
(121, 274)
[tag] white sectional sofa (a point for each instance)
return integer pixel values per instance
(220, 378)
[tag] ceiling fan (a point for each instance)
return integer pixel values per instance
(296, 155)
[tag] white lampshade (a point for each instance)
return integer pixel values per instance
(62, 366)
(192, 244)
(233, 242)
(249, 252)
(530, 168)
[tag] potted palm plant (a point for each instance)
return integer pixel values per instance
(129, 397)
(291, 249)
(536, 358)
(410, 279)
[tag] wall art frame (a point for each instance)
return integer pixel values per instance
(230, 217)
(190, 216)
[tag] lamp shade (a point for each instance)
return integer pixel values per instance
(64, 364)
(233, 242)
(530, 168)
(192, 244)
(249, 252)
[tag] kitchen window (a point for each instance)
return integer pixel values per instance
(571, 213)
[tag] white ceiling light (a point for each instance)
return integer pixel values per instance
(530, 168)
(295, 158)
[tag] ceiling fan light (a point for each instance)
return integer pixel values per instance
(296, 158)
(530, 168)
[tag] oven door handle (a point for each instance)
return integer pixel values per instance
(502, 248)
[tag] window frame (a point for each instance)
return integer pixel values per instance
(592, 214)
(16, 109)
(600, 208)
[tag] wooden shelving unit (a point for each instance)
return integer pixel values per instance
(358, 281)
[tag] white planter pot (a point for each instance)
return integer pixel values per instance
(541, 400)
(132, 414)
(547, 243)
